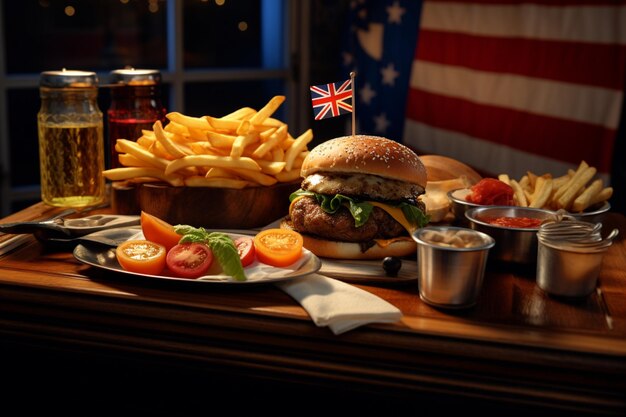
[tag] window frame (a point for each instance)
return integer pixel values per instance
(294, 73)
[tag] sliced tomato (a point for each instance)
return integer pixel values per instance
(189, 260)
(278, 247)
(245, 247)
(141, 256)
(159, 231)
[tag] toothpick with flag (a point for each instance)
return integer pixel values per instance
(334, 99)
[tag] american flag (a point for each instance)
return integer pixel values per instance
(507, 86)
(330, 100)
(520, 86)
(379, 46)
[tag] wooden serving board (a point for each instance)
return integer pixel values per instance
(367, 271)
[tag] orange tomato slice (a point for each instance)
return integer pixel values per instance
(159, 231)
(141, 256)
(278, 247)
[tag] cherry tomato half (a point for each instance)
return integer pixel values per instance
(278, 247)
(245, 247)
(159, 231)
(141, 256)
(189, 260)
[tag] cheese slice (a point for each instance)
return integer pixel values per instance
(294, 201)
(397, 215)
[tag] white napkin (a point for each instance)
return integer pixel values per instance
(338, 305)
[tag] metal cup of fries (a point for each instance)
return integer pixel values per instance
(578, 191)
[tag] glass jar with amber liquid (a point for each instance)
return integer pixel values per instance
(135, 106)
(71, 143)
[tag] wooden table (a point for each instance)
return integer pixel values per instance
(65, 328)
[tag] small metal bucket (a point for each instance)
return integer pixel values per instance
(451, 277)
(569, 257)
(567, 272)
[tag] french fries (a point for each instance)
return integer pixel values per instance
(244, 148)
(572, 192)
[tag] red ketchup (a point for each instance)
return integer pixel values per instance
(491, 192)
(518, 222)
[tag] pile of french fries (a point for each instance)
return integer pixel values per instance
(574, 192)
(244, 148)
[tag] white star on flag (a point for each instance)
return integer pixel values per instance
(395, 13)
(389, 74)
(367, 94)
(381, 123)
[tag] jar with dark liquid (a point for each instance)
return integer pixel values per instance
(135, 106)
(71, 144)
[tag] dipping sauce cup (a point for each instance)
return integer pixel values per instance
(451, 265)
(513, 243)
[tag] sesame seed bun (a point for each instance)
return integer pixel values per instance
(366, 154)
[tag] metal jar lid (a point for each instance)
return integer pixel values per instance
(575, 236)
(132, 76)
(68, 79)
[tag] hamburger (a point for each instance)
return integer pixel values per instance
(359, 199)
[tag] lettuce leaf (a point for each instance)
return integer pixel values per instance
(360, 210)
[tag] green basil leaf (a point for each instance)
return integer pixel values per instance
(192, 238)
(183, 229)
(227, 255)
(191, 234)
(221, 245)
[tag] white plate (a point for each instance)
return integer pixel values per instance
(104, 258)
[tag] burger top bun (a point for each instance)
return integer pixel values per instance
(364, 154)
(441, 168)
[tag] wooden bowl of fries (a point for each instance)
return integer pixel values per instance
(217, 208)
(233, 171)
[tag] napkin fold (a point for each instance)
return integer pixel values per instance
(338, 305)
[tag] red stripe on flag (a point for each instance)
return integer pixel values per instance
(560, 139)
(561, 61)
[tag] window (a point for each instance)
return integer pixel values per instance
(215, 56)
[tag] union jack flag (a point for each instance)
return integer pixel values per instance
(330, 100)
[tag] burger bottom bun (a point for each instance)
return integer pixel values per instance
(349, 250)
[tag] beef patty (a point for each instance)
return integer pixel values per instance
(308, 217)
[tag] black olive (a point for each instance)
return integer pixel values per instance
(392, 265)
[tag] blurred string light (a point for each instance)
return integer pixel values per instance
(220, 2)
(243, 26)
(153, 6)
